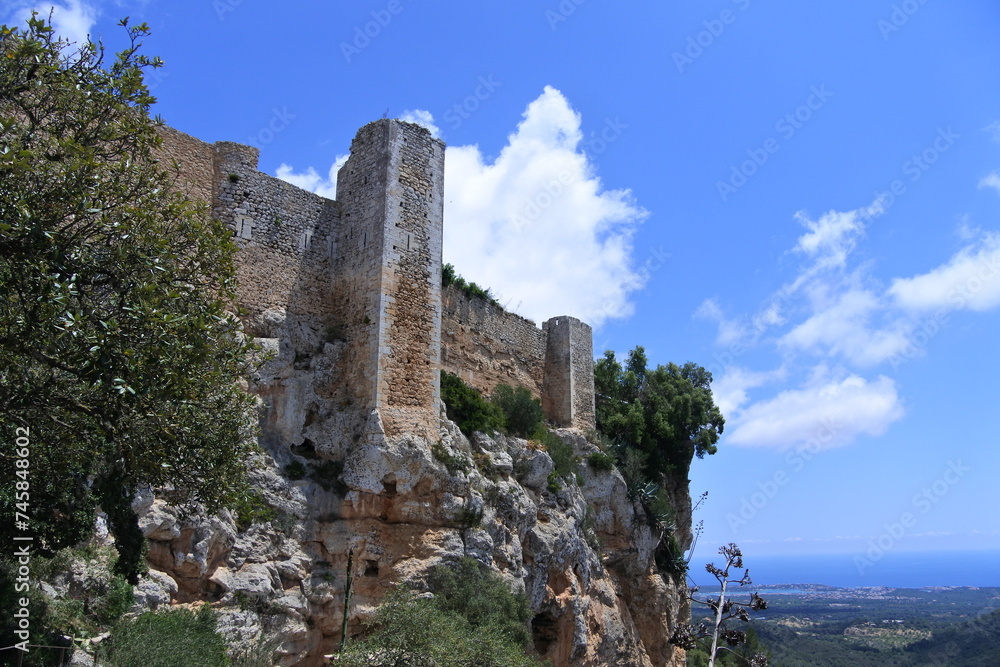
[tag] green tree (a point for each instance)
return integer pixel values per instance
(667, 413)
(482, 598)
(524, 413)
(467, 408)
(120, 361)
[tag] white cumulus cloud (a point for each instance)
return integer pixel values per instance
(730, 390)
(73, 20)
(822, 415)
(841, 325)
(536, 224)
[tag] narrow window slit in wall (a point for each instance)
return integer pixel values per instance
(305, 240)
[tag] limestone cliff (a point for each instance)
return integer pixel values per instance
(584, 555)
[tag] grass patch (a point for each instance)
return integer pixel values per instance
(166, 639)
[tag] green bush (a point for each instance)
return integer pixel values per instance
(166, 639)
(470, 516)
(473, 620)
(524, 413)
(561, 452)
(601, 461)
(552, 483)
(43, 630)
(95, 600)
(251, 509)
(482, 598)
(468, 409)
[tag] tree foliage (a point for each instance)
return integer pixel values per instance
(467, 408)
(667, 413)
(117, 349)
(523, 413)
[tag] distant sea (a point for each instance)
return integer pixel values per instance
(896, 570)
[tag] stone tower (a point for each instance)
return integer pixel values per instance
(388, 250)
(568, 389)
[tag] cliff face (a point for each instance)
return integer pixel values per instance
(584, 555)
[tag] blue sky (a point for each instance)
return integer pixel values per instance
(802, 197)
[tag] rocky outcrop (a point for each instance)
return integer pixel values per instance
(582, 552)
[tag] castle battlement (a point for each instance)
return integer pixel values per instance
(349, 292)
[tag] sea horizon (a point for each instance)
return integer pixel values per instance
(914, 569)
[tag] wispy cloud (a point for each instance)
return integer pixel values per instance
(970, 280)
(730, 391)
(827, 313)
(834, 312)
(730, 330)
(824, 415)
(991, 180)
(841, 325)
(423, 118)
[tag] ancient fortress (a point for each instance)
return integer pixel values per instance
(346, 297)
(359, 279)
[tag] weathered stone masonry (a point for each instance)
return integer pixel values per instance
(353, 286)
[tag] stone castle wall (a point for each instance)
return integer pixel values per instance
(351, 290)
(485, 345)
